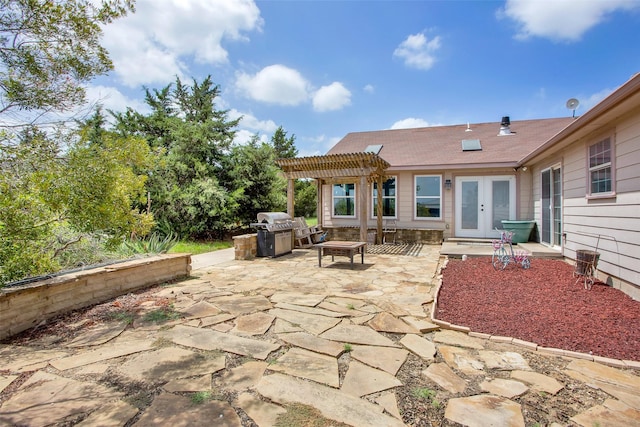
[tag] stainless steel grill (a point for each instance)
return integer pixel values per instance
(274, 234)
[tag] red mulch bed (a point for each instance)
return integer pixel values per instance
(543, 304)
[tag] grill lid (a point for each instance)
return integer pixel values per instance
(273, 217)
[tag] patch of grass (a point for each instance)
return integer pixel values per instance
(199, 247)
(162, 342)
(122, 316)
(161, 315)
(424, 393)
(200, 397)
(348, 348)
(351, 306)
(304, 416)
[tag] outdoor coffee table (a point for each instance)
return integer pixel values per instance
(340, 248)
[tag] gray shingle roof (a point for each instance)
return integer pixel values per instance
(440, 146)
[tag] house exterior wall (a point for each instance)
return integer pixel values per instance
(405, 200)
(609, 225)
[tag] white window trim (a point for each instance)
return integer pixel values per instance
(355, 199)
(415, 197)
(610, 164)
(373, 201)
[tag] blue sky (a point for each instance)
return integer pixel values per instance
(322, 69)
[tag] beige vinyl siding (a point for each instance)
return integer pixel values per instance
(524, 193)
(610, 224)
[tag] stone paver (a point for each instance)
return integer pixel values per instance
(611, 414)
(243, 377)
(240, 304)
(390, 404)
(201, 309)
(442, 375)
(356, 334)
(333, 404)
(538, 381)
(262, 413)
(6, 380)
(459, 339)
(385, 322)
(420, 346)
(169, 410)
(253, 324)
(202, 383)
(307, 364)
(169, 363)
(313, 343)
(111, 414)
(103, 353)
(205, 339)
(387, 359)
(504, 388)
(362, 380)
(311, 323)
(461, 359)
(47, 398)
(98, 335)
(504, 360)
(483, 411)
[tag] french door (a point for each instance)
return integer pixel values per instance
(551, 221)
(482, 202)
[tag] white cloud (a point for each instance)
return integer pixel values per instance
(369, 89)
(332, 97)
(112, 99)
(275, 84)
(418, 52)
(153, 44)
(249, 121)
(563, 20)
(410, 123)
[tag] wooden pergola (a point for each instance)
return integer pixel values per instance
(339, 168)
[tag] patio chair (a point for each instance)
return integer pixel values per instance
(306, 235)
(390, 228)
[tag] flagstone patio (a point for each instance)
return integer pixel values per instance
(257, 336)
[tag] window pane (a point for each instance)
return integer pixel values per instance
(343, 207)
(428, 208)
(500, 202)
(601, 180)
(427, 186)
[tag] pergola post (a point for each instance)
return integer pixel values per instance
(379, 215)
(362, 197)
(291, 191)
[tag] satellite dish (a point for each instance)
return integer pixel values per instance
(572, 104)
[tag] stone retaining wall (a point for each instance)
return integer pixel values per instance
(23, 307)
(402, 235)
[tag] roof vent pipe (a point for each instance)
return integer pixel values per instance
(504, 126)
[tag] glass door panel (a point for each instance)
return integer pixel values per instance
(469, 205)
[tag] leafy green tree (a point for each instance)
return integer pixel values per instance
(88, 189)
(50, 49)
(255, 179)
(284, 147)
(188, 196)
(305, 191)
(306, 198)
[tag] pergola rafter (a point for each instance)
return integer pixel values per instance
(335, 168)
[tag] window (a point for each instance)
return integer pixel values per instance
(388, 198)
(600, 167)
(428, 197)
(344, 200)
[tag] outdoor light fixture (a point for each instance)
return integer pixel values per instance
(447, 184)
